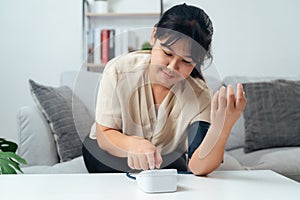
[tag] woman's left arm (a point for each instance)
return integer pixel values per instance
(225, 111)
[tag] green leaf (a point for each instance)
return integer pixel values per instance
(6, 167)
(8, 146)
(146, 46)
(16, 158)
(10, 162)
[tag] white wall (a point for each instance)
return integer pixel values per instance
(41, 38)
(257, 37)
(38, 39)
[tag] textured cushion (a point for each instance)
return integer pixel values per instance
(272, 115)
(68, 118)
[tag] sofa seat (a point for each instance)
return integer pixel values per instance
(75, 166)
(281, 160)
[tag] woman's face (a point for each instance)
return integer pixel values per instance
(170, 64)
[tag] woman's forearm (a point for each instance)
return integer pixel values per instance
(113, 141)
(209, 154)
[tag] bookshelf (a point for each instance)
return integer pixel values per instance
(124, 24)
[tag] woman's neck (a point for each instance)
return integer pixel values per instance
(159, 93)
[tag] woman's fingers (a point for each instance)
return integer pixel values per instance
(230, 98)
(215, 101)
(240, 98)
(222, 98)
(151, 160)
(158, 159)
(221, 101)
(136, 162)
(143, 161)
(130, 162)
(133, 161)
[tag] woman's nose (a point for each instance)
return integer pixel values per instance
(173, 64)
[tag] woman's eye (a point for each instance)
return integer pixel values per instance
(187, 62)
(168, 54)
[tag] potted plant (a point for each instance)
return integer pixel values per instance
(9, 160)
(146, 46)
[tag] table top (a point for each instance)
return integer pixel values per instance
(254, 185)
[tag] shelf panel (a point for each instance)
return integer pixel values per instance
(98, 68)
(95, 65)
(90, 14)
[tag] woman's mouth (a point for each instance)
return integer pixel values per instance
(167, 75)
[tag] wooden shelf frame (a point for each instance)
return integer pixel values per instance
(95, 65)
(90, 14)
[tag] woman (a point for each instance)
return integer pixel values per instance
(154, 106)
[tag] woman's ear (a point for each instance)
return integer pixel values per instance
(153, 39)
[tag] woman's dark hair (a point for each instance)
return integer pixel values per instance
(190, 22)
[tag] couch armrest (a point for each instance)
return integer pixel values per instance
(35, 139)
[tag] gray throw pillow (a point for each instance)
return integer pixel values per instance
(67, 116)
(272, 115)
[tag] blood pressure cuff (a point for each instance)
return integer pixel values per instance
(196, 133)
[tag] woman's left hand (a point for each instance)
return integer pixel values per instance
(227, 108)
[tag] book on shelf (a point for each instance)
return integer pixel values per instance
(105, 44)
(90, 46)
(97, 46)
(111, 52)
(118, 42)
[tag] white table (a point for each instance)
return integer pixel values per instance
(252, 185)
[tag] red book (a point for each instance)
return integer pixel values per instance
(104, 45)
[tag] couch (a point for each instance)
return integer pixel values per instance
(39, 147)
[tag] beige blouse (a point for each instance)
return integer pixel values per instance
(125, 103)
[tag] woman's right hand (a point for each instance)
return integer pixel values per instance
(144, 155)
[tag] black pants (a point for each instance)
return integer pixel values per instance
(99, 161)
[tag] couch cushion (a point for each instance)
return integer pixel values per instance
(68, 118)
(212, 77)
(70, 167)
(288, 159)
(230, 163)
(252, 159)
(237, 136)
(272, 114)
(85, 85)
(284, 160)
(35, 139)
